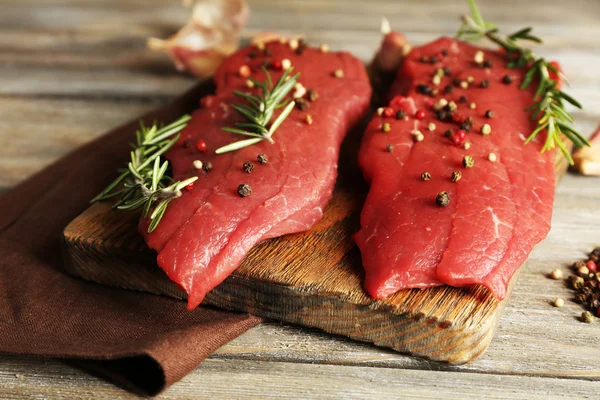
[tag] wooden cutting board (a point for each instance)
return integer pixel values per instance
(312, 279)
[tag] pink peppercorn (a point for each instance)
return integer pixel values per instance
(190, 187)
(388, 112)
(420, 114)
(201, 145)
(591, 265)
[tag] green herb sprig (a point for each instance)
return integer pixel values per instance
(145, 182)
(259, 111)
(549, 107)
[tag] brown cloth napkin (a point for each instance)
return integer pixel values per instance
(141, 341)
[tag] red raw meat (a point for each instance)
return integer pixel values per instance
(497, 212)
(205, 234)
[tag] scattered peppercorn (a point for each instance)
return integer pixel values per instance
(400, 114)
(444, 52)
(442, 199)
(492, 157)
(244, 190)
(433, 60)
(244, 71)
(425, 176)
(464, 85)
(201, 145)
(456, 175)
(187, 144)
(485, 83)
(456, 81)
(467, 146)
(486, 129)
(197, 164)
(309, 119)
(301, 104)
(447, 71)
(558, 302)
(468, 162)
(207, 167)
(423, 89)
(386, 127)
(423, 59)
(262, 158)
(507, 79)
(388, 111)
(431, 126)
(448, 133)
(448, 89)
(338, 73)
(587, 317)
(420, 114)
(583, 271)
(462, 99)
(312, 95)
(591, 265)
(489, 114)
(488, 64)
(248, 167)
(479, 57)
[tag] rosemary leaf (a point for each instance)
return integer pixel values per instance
(548, 108)
(238, 145)
(260, 110)
(145, 182)
(279, 120)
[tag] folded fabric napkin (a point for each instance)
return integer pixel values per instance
(141, 341)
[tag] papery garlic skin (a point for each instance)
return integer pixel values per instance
(211, 34)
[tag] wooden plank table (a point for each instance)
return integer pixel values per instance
(72, 69)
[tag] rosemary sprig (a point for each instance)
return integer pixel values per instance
(259, 111)
(145, 182)
(549, 107)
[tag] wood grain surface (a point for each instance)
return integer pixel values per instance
(73, 69)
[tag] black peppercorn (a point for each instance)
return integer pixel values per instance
(448, 89)
(251, 55)
(507, 79)
(207, 166)
(423, 59)
(485, 83)
(488, 64)
(312, 95)
(423, 89)
(442, 199)
(444, 52)
(248, 167)
(187, 144)
(447, 71)
(262, 158)
(400, 114)
(456, 82)
(433, 60)
(489, 114)
(301, 104)
(456, 175)
(244, 190)
(462, 99)
(389, 148)
(448, 133)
